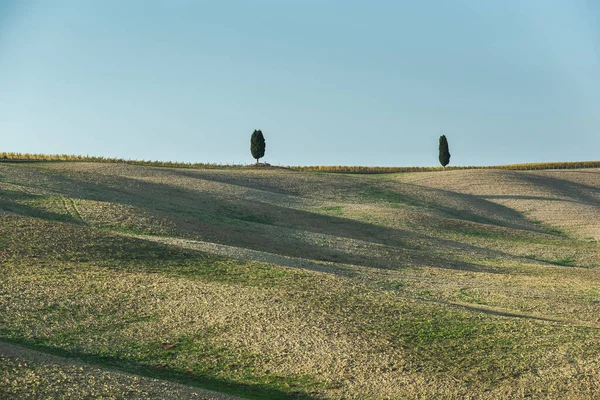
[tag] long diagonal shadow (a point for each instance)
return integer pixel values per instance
(266, 227)
(533, 198)
(479, 209)
(579, 192)
(204, 381)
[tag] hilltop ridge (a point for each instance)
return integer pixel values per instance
(27, 157)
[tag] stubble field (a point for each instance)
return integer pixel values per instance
(275, 283)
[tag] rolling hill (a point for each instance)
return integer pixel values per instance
(274, 283)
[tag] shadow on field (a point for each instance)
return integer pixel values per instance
(247, 180)
(164, 373)
(11, 202)
(45, 242)
(474, 208)
(271, 228)
(579, 192)
(533, 198)
(501, 313)
(471, 208)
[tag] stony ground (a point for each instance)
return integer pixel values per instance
(277, 284)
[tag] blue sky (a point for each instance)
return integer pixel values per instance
(328, 82)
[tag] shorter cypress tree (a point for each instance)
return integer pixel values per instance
(257, 145)
(444, 155)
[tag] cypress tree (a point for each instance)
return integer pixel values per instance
(257, 145)
(444, 155)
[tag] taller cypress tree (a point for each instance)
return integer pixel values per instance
(257, 144)
(444, 155)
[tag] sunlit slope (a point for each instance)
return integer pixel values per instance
(566, 199)
(275, 282)
(57, 377)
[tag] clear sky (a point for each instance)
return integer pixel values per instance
(328, 82)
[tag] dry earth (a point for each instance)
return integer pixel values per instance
(569, 199)
(30, 374)
(274, 284)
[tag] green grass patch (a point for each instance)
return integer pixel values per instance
(36, 207)
(373, 193)
(469, 296)
(553, 230)
(393, 285)
(333, 210)
(234, 272)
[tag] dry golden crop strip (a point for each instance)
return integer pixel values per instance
(346, 169)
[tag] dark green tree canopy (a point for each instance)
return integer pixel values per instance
(257, 145)
(444, 155)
